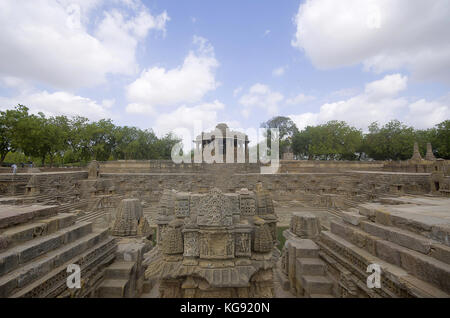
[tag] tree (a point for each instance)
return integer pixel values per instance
(287, 129)
(9, 140)
(334, 140)
(440, 139)
(392, 141)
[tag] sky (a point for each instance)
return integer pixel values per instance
(174, 65)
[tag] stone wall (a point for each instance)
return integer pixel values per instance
(49, 182)
(290, 166)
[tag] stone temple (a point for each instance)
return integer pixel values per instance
(159, 229)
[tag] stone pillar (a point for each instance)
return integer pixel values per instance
(429, 156)
(416, 154)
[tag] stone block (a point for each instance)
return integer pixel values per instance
(317, 284)
(388, 252)
(353, 218)
(441, 233)
(426, 268)
(366, 211)
(305, 225)
(303, 248)
(398, 236)
(309, 266)
(8, 262)
(3, 242)
(382, 217)
(440, 252)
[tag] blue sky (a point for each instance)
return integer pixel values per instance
(166, 64)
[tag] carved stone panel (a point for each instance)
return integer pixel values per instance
(247, 203)
(191, 244)
(216, 245)
(182, 205)
(242, 244)
(215, 209)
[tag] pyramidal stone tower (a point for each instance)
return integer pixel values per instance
(429, 156)
(416, 154)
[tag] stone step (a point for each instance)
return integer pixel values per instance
(114, 288)
(25, 232)
(369, 233)
(120, 269)
(98, 253)
(92, 216)
(32, 271)
(316, 284)
(436, 228)
(353, 218)
(419, 265)
(401, 237)
(24, 253)
(361, 258)
(309, 266)
(302, 247)
(11, 215)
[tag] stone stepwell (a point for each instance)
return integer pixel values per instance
(411, 247)
(36, 246)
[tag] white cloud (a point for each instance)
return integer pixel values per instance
(60, 103)
(389, 86)
(260, 95)
(380, 102)
(425, 114)
(279, 71)
(384, 35)
(184, 120)
(187, 83)
(49, 41)
(299, 99)
(237, 91)
(266, 33)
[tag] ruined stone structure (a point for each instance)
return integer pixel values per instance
(214, 245)
(429, 155)
(216, 229)
(416, 154)
(224, 140)
(37, 244)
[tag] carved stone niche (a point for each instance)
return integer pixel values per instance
(247, 202)
(128, 215)
(271, 222)
(242, 241)
(167, 203)
(216, 244)
(191, 243)
(182, 205)
(262, 238)
(215, 209)
(264, 203)
(172, 242)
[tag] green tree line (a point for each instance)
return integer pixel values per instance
(336, 140)
(61, 140)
